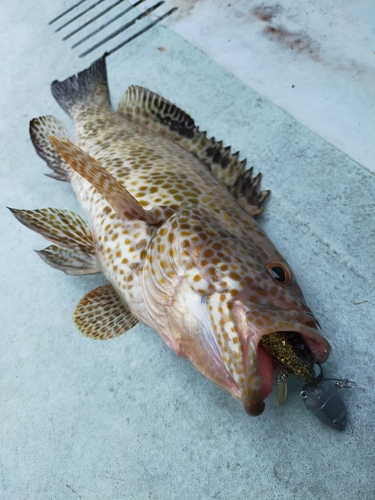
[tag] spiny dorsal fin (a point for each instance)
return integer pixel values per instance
(155, 112)
(101, 314)
(40, 129)
(63, 227)
(246, 191)
(72, 262)
(122, 202)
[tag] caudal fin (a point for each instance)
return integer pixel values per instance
(89, 86)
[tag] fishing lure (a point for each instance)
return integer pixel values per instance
(325, 402)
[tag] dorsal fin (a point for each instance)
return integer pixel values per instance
(246, 191)
(150, 109)
(122, 202)
(155, 112)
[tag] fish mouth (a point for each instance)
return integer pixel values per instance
(258, 322)
(294, 348)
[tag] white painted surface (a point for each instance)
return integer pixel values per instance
(315, 59)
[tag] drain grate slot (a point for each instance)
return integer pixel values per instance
(88, 12)
(67, 11)
(104, 25)
(80, 15)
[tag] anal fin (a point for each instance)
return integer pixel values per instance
(101, 314)
(40, 129)
(72, 262)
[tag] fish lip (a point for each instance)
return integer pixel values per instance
(300, 320)
(317, 344)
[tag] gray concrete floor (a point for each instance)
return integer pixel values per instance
(127, 419)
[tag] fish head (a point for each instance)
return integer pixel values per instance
(241, 291)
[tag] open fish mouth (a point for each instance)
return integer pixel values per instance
(278, 335)
(297, 351)
(292, 353)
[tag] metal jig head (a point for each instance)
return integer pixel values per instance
(325, 402)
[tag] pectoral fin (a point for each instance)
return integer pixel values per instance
(102, 314)
(122, 202)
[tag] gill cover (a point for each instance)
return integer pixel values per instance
(191, 275)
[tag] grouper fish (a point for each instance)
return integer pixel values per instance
(172, 225)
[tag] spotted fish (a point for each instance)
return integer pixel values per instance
(172, 227)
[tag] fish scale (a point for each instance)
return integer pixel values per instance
(171, 215)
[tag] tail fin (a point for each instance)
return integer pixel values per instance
(89, 86)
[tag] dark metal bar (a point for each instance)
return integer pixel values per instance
(126, 26)
(66, 12)
(142, 31)
(79, 15)
(107, 23)
(93, 19)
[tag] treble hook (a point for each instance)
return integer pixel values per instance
(343, 383)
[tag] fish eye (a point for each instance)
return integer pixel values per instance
(280, 272)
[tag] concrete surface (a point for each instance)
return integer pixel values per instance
(127, 419)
